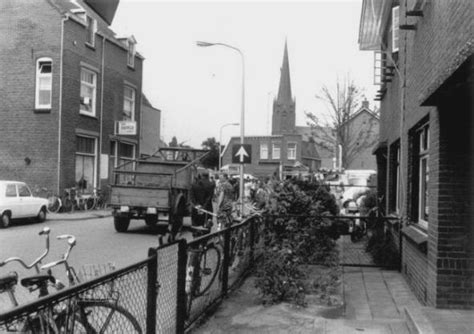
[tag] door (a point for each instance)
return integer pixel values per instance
(11, 200)
(27, 203)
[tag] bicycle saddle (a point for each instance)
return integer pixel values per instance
(8, 281)
(37, 280)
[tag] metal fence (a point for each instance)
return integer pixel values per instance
(156, 295)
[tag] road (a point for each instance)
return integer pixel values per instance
(97, 243)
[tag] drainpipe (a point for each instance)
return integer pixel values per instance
(61, 57)
(102, 71)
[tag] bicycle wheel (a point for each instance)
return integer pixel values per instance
(68, 205)
(105, 317)
(209, 264)
(54, 204)
(90, 203)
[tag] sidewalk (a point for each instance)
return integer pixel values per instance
(80, 215)
(375, 301)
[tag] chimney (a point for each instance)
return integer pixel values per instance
(365, 104)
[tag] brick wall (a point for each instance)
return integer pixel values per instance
(28, 30)
(427, 58)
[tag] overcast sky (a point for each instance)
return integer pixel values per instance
(198, 89)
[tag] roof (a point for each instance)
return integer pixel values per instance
(284, 90)
(75, 9)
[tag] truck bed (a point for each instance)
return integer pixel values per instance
(140, 196)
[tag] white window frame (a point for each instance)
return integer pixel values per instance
(276, 150)
(395, 28)
(291, 152)
(263, 151)
(131, 54)
(94, 92)
(40, 76)
(91, 28)
(94, 181)
(423, 175)
(132, 100)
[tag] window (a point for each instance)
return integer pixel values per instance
(23, 190)
(91, 30)
(291, 151)
(128, 104)
(263, 151)
(394, 187)
(423, 175)
(131, 53)
(85, 162)
(88, 92)
(44, 83)
(395, 27)
(276, 151)
(10, 191)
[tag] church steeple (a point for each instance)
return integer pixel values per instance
(283, 119)
(284, 91)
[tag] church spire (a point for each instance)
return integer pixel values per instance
(284, 91)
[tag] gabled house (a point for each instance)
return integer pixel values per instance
(71, 93)
(424, 54)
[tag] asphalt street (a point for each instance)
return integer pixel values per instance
(97, 243)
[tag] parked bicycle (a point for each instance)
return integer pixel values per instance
(85, 313)
(54, 201)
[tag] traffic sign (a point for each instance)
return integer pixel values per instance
(241, 154)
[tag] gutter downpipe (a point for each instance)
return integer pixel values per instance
(63, 20)
(102, 69)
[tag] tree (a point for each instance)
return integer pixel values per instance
(212, 159)
(343, 105)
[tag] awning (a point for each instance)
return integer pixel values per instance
(373, 19)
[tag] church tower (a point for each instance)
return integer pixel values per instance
(283, 119)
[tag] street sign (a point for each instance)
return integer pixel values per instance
(241, 154)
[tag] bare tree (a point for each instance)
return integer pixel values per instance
(343, 104)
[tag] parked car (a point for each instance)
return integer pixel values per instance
(17, 201)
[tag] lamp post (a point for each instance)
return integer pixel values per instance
(220, 142)
(242, 113)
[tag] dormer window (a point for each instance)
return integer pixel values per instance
(44, 83)
(91, 30)
(131, 53)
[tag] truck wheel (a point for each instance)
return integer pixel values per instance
(176, 225)
(121, 224)
(151, 220)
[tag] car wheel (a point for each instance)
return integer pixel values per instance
(5, 222)
(121, 224)
(41, 215)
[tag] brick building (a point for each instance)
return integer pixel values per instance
(424, 61)
(150, 128)
(285, 150)
(71, 93)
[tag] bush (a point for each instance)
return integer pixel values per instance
(293, 241)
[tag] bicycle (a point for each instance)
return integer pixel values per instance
(86, 310)
(41, 321)
(96, 200)
(54, 202)
(73, 200)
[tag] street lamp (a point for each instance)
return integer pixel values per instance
(242, 113)
(220, 141)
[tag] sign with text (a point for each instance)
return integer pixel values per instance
(126, 128)
(241, 154)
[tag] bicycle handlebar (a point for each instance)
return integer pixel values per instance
(44, 231)
(71, 240)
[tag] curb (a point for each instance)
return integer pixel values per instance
(61, 216)
(419, 326)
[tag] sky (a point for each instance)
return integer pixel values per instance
(199, 89)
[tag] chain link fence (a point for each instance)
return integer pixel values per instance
(165, 293)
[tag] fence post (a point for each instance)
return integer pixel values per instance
(252, 241)
(152, 291)
(181, 286)
(225, 261)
